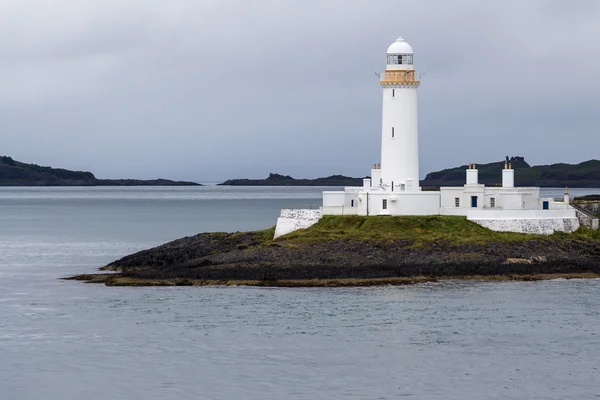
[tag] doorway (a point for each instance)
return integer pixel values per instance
(474, 201)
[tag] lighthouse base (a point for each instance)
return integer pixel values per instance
(361, 201)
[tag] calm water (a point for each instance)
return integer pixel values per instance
(68, 340)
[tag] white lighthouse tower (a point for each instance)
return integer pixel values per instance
(399, 133)
(393, 188)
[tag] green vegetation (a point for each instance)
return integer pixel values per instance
(420, 230)
(580, 234)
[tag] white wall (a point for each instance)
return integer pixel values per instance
(448, 196)
(334, 199)
(511, 201)
(341, 203)
(543, 222)
(540, 226)
(291, 220)
(419, 203)
(522, 214)
(505, 198)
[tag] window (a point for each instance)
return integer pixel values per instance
(393, 92)
(351, 203)
(384, 206)
(474, 201)
(400, 59)
(546, 205)
(457, 201)
(492, 202)
(393, 134)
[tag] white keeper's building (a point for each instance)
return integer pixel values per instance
(393, 188)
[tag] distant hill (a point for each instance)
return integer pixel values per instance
(15, 173)
(584, 175)
(286, 180)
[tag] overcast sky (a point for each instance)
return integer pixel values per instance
(207, 90)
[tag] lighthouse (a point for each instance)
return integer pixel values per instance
(399, 127)
(393, 188)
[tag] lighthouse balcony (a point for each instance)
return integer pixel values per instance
(399, 78)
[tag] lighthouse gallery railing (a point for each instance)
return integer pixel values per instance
(399, 77)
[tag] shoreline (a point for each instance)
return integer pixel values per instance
(119, 280)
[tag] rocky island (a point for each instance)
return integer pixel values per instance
(359, 251)
(16, 173)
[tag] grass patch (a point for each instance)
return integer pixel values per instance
(581, 233)
(417, 229)
(263, 235)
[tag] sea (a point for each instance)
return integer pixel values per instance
(450, 340)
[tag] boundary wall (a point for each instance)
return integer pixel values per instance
(291, 220)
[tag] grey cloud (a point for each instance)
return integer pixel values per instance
(208, 90)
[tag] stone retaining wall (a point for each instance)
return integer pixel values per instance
(292, 220)
(593, 207)
(541, 226)
(587, 213)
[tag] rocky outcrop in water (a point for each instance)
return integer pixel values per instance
(249, 257)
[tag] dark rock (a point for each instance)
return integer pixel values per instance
(242, 256)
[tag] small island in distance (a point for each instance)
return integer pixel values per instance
(16, 173)
(286, 180)
(582, 175)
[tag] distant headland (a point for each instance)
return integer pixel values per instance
(16, 173)
(286, 180)
(583, 175)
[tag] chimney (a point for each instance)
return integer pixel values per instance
(508, 176)
(472, 175)
(567, 196)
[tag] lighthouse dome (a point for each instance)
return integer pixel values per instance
(400, 47)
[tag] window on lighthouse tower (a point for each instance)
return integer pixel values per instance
(400, 59)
